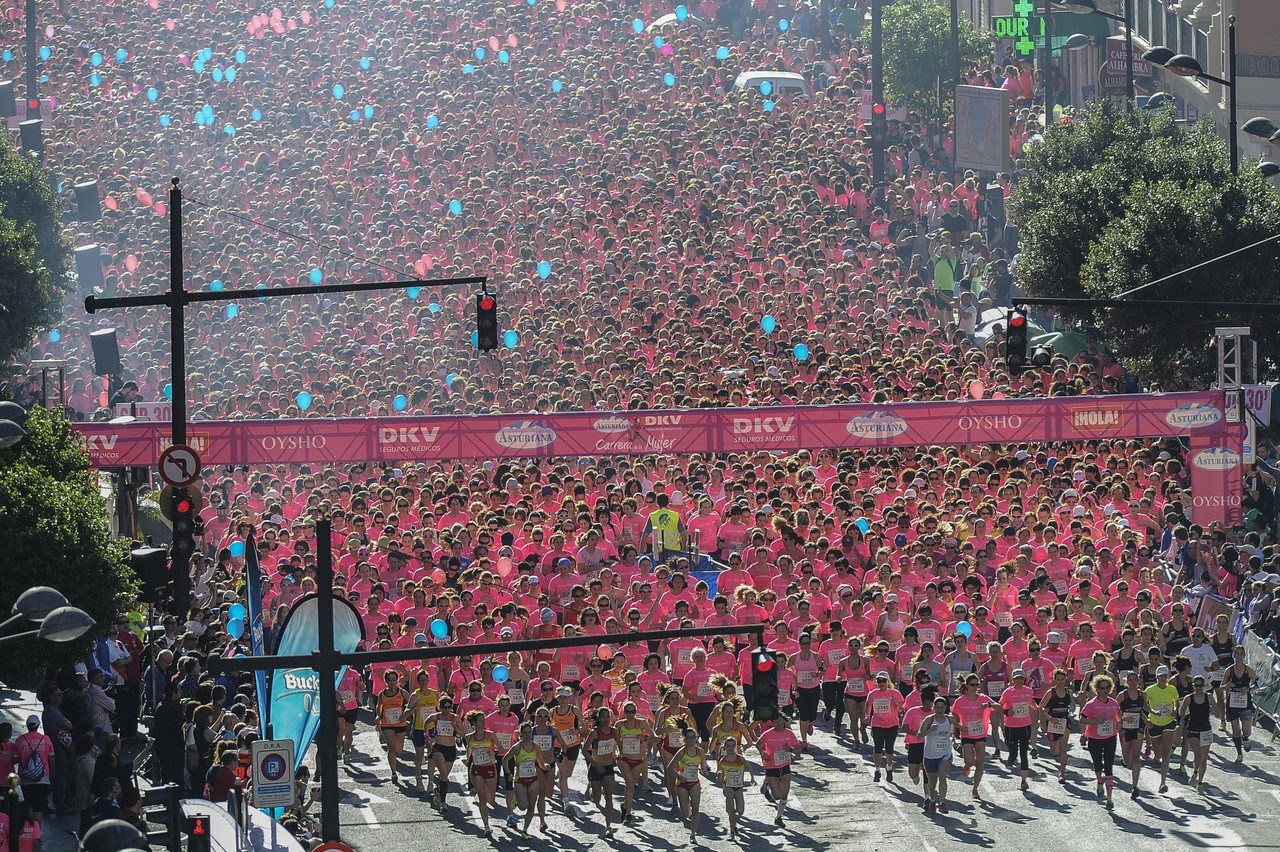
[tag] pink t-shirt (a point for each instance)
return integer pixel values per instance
(972, 713)
(1102, 717)
(1017, 701)
(884, 706)
(775, 747)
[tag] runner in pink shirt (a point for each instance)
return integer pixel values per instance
(1019, 705)
(973, 710)
(778, 747)
(1101, 715)
(884, 711)
(912, 719)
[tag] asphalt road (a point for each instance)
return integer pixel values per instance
(836, 805)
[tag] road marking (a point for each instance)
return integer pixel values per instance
(364, 802)
(869, 768)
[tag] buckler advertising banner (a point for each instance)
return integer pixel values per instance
(294, 710)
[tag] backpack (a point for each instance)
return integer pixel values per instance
(32, 768)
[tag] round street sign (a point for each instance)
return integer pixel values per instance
(333, 846)
(179, 465)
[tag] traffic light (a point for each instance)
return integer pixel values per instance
(32, 133)
(764, 685)
(8, 104)
(183, 547)
(1015, 340)
(163, 805)
(197, 828)
(879, 122)
(486, 322)
(151, 566)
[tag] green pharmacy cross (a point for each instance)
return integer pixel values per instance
(1021, 28)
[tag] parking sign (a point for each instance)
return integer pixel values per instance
(272, 762)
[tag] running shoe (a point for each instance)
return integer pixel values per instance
(1134, 794)
(942, 806)
(1110, 805)
(930, 808)
(511, 821)
(876, 779)
(777, 821)
(542, 826)
(977, 797)
(1101, 790)
(888, 775)
(1164, 788)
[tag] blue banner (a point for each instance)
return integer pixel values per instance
(253, 603)
(295, 693)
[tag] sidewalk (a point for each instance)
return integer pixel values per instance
(58, 833)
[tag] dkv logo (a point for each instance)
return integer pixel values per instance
(524, 435)
(763, 425)
(1216, 459)
(1193, 415)
(876, 425)
(409, 435)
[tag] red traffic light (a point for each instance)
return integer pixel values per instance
(197, 827)
(183, 507)
(879, 110)
(1017, 321)
(487, 303)
(33, 103)
(764, 663)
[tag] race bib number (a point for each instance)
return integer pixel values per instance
(1129, 721)
(974, 728)
(393, 715)
(444, 728)
(635, 669)
(807, 680)
(653, 703)
(1238, 700)
(704, 689)
(503, 738)
(1004, 619)
(1106, 727)
(689, 773)
(1162, 710)
(858, 686)
(1057, 726)
(836, 656)
(995, 688)
(527, 769)
(606, 748)
(630, 745)
(570, 738)
(881, 706)
(516, 696)
(674, 739)
(685, 655)
(733, 778)
(1084, 667)
(1021, 710)
(543, 741)
(928, 636)
(572, 672)
(346, 696)
(939, 743)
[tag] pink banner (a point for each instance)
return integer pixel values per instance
(1217, 477)
(510, 436)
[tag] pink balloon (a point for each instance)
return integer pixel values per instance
(997, 395)
(977, 389)
(110, 203)
(420, 268)
(277, 27)
(154, 4)
(276, 14)
(429, 262)
(184, 60)
(559, 5)
(605, 652)
(306, 17)
(512, 41)
(131, 263)
(493, 43)
(170, 24)
(437, 576)
(505, 568)
(160, 208)
(292, 24)
(49, 31)
(666, 50)
(144, 197)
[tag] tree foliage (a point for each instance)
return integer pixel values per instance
(1111, 201)
(34, 265)
(54, 530)
(917, 49)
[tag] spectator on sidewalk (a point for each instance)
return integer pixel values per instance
(61, 733)
(127, 668)
(33, 753)
(101, 705)
(82, 778)
(166, 731)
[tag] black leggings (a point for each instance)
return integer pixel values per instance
(833, 699)
(882, 739)
(1019, 742)
(701, 713)
(1103, 752)
(807, 703)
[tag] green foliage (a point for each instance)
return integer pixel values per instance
(1111, 201)
(917, 48)
(33, 252)
(54, 528)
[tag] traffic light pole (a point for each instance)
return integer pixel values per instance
(327, 661)
(877, 90)
(177, 298)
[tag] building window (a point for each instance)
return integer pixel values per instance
(1171, 31)
(1187, 40)
(1202, 48)
(1143, 24)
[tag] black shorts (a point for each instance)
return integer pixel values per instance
(779, 772)
(915, 753)
(1206, 734)
(1158, 730)
(1128, 735)
(350, 716)
(882, 739)
(568, 753)
(807, 703)
(964, 741)
(599, 773)
(1240, 714)
(448, 752)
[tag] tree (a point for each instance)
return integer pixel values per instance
(33, 252)
(917, 49)
(54, 527)
(1145, 197)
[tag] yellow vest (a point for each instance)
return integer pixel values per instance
(666, 528)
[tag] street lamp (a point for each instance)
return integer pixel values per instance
(1260, 127)
(1090, 7)
(12, 418)
(1269, 169)
(1188, 66)
(1158, 101)
(46, 607)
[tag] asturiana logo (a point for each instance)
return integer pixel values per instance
(876, 425)
(525, 434)
(1193, 415)
(1216, 458)
(612, 425)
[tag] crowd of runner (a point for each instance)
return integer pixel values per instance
(638, 218)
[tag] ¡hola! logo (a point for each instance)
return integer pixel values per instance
(1193, 415)
(525, 434)
(1097, 419)
(1216, 458)
(612, 425)
(876, 425)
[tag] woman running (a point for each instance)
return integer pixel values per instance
(1162, 721)
(778, 747)
(443, 726)
(884, 709)
(482, 763)
(732, 770)
(855, 674)
(503, 725)
(1102, 720)
(1197, 723)
(546, 739)
(911, 721)
(937, 730)
(1133, 712)
(972, 710)
(685, 765)
(672, 720)
(601, 746)
(566, 718)
(525, 763)
(1019, 705)
(1055, 713)
(1238, 681)
(634, 734)
(423, 704)
(807, 667)
(393, 721)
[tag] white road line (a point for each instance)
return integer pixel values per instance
(903, 815)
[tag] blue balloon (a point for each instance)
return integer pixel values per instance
(198, 66)
(500, 674)
(45, 53)
(722, 53)
(637, 26)
(556, 86)
(230, 75)
(658, 42)
(232, 311)
(768, 324)
(504, 57)
(368, 111)
(215, 286)
(229, 130)
(682, 12)
(168, 390)
(55, 336)
(261, 287)
(784, 25)
(95, 79)
(237, 610)
(475, 339)
(544, 270)
(433, 121)
(766, 88)
(400, 403)
(801, 352)
(328, 4)
(206, 53)
(96, 59)
(434, 308)
(413, 292)
(532, 2)
(216, 74)
(152, 94)
(450, 379)
(237, 550)
(365, 63)
(439, 629)
(480, 54)
(208, 112)
(468, 68)
(511, 338)
(964, 628)
(355, 115)
(768, 106)
(7, 56)
(256, 115)
(455, 207)
(235, 628)
(121, 56)
(240, 57)
(304, 400)
(316, 276)
(863, 525)
(669, 79)
(339, 91)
